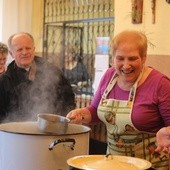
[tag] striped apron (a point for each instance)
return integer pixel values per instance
(122, 137)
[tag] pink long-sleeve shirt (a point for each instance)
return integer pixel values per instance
(151, 109)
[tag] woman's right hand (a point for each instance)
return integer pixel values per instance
(79, 116)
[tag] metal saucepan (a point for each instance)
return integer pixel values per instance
(52, 123)
(25, 147)
(106, 162)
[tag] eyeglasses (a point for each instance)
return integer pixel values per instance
(3, 48)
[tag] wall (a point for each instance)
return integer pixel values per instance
(158, 33)
(27, 15)
(37, 23)
(16, 16)
(1, 19)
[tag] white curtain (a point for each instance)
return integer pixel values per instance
(15, 16)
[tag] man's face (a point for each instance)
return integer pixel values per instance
(22, 50)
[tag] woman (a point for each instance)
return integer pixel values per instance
(75, 71)
(133, 101)
(3, 57)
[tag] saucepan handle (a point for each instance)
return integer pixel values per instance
(57, 141)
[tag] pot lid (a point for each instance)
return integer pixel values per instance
(105, 162)
(31, 128)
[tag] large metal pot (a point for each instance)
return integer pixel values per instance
(25, 147)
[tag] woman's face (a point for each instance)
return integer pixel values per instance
(128, 62)
(68, 57)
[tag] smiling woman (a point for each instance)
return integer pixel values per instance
(132, 100)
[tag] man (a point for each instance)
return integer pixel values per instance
(31, 85)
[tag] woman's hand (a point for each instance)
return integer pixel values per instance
(79, 116)
(163, 140)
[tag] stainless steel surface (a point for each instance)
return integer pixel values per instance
(51, 123)
(25, 147)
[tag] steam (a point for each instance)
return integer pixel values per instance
(43, 95)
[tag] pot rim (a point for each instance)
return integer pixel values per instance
(85, 162)
(31, 128)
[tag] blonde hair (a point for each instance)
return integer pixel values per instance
(136, 38)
